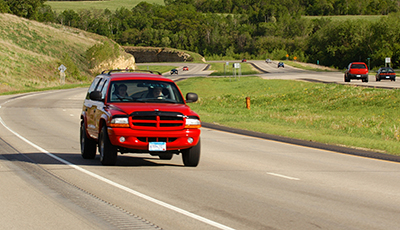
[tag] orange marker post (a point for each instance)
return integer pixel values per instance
(248, 102)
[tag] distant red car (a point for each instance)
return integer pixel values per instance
(356, 70)
(185, 68)
(244, 60)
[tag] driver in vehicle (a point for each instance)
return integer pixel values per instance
(156, 92)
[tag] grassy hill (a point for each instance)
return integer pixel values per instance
(31, 52)
(112, 5)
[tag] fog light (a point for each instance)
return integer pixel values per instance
(122, 139)
(190, 140)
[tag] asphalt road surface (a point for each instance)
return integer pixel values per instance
(241, 182)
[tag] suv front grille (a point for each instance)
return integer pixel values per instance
(156, 139)
(157, 120)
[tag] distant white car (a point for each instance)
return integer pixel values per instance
(268, 60)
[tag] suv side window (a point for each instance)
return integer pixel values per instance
(92, 86)
(103, 89)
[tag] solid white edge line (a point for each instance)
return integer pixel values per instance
(141, 195)
(283, 176)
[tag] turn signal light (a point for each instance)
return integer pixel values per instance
(192, 123)
(120, 122)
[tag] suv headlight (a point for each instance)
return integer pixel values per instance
(192, 123)
(119, 122)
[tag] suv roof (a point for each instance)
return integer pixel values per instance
(358, 65)
(119, 74)
(129, 70)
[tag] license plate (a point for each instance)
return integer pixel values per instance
(358, 75)
(387, 77)
(157, 146)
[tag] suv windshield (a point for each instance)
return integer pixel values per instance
(144, 91)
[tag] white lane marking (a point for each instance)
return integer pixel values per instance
(283, 176)
(131, 191)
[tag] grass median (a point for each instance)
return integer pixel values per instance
(221, 69)
(336, 114)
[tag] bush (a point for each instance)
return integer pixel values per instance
(101, 52)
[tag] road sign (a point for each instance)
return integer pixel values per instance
(62, 68)
(387, 60)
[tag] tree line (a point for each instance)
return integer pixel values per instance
(304, 7)
(251, 29)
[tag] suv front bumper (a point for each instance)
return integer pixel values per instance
(139, 139)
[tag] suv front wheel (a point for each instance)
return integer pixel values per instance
(191, 156)
(88, 146)
(108, 152)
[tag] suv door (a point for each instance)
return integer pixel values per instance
(89, 108)
(98, 106)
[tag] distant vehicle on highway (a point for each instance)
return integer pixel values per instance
(174, 71)
(385, 73)
(280, 64)
(356, 70)
(268, 60)
(185, 68)
(244, 60)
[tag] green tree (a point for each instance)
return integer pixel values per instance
(25, 8)
(4, 8)
(339, 43)
(46, 14)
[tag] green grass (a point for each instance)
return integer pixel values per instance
(112, 5)
(222, 70)
(328, 113)
(31, 52)
(308, 66)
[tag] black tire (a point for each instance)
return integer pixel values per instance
(346, 79)
(377, 79)
(88, 145)
(191, 156)
(165, 156)
(108, 152)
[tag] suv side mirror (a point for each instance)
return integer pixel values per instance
(191, 97)
(95, 96)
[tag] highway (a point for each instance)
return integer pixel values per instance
(270, 71)
(241, 182)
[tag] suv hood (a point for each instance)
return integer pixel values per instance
(130, 108)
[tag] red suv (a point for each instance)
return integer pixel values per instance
(356, 70)
(130, 111)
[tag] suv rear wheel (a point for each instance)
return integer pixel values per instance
(88, 145)
(108, 152)
(191, 156)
